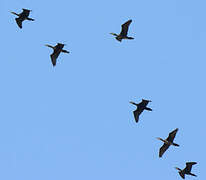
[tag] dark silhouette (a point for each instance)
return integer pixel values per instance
(57, 50)
(167, 142)
(140, 108)
(186, 170)
(22, 16)
(123, 34)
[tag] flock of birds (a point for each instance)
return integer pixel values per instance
(167, 142)
(140, 107)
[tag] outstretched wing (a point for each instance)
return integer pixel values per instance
(189, 166)
(137, 113)
(144, 103)
(172, 135)
(54, 57)
(182, 174)
(163, 149)
(19, 22)
(125, 28)
(25, 12)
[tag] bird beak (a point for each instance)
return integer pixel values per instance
(158, 138)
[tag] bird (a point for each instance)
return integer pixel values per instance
(22, 16)
(168, 142)
(186, 170)
(123, 33)
(140, 108)
(57, 50)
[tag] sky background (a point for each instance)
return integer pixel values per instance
(74, 121)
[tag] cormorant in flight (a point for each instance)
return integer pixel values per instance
(140, 108)
(168, 142)
(22, 16)
(186, 170)
(123, 34)
(57, 50)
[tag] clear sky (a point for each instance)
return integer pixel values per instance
(74, 121)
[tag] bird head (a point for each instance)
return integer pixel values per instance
(49, 46)
(161, 139)
(14, 13)
(114, 34)
(132, 102)
(178, 168)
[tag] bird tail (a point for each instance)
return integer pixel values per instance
(148, 109)
(192, 174)
(64, 51)
(30, 19)
(175, 144)
(130, 38)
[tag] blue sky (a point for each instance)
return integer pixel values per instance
(74, 121)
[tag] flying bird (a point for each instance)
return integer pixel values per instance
(123, 33)
(22, 16)
(186, 170)
(168, 142)
(140, 108)
(57, 50)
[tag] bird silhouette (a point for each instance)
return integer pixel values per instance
(168, 142)
(186, 170)
(140, 108)
(22, 17)
(124, 31)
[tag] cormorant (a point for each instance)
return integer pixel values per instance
(140, 108)
(57, 50)
(186, 170)
(168, 142)
(22, 16)
(123, 34)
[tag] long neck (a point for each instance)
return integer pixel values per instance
(49, 46)
(15, 13)
(134, 103)
(114, 34)
(162, 140)
(178, 169)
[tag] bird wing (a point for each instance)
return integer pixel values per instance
(125, 28)
(144, 103)
(25, 12)
(182, 174)
(172, 135)
(163, 149)
(189, 166)
(137, 112)
(19, 22)
(54, 57)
